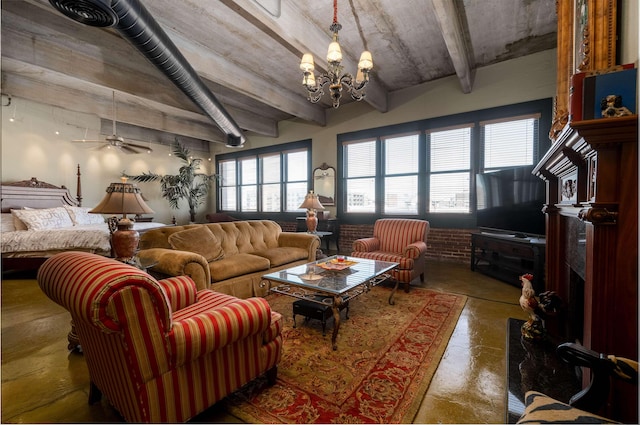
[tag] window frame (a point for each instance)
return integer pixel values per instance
(543, 107)
(258, 154)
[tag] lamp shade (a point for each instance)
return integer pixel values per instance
(366, 62)
(122, 198)
(307, 65)
(311, 202)
(334, 54)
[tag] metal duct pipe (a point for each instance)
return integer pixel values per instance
(137, 25)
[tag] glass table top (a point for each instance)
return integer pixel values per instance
(314, 277)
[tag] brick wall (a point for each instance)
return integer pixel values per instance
(452, 245)
(442, 244)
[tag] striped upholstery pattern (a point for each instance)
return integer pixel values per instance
(402, 241)
(160, 350)
(542, 409)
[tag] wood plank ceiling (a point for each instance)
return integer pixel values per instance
(247, 52)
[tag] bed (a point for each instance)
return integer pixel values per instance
(40, 219)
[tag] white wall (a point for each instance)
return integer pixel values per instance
(629, 32)
(31, 148)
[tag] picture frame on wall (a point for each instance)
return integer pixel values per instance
(587, 36)
(591, 183)
(581, 35)
(569, 188)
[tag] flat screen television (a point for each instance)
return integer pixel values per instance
(512, 200)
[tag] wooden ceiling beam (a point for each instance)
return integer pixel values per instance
(48, 54)
(452, 32)
(80, 97)
(298, 35)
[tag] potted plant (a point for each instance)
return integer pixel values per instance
(188, 184)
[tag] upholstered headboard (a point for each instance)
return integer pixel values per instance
(36, 194)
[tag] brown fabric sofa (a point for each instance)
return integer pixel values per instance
(229, 257)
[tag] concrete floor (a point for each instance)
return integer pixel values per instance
(43, 382)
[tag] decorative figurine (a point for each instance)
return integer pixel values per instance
(549, 302)
(611, 106)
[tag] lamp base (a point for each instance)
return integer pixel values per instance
(312, 222)
(124, 241)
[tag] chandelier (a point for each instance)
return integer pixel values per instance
(334, 77)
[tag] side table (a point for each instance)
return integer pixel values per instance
(329, 227)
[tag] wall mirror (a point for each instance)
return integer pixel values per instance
(324, 184)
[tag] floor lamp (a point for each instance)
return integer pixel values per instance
(123, 198)
(311, 203)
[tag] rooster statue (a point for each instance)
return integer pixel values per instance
(549, 302)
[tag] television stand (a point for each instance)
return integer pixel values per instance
(508, 255)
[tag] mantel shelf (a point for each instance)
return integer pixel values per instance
(606, 131)
(583, 137)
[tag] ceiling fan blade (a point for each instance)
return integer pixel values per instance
(127, 149)
(87, 141)
(133, 145)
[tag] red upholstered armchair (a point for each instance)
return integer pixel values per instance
(402, 241)
(160, 351)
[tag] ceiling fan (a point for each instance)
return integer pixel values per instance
(116, 141)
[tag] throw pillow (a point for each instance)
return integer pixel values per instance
(199, 240)
(81, 216)
(45, 218)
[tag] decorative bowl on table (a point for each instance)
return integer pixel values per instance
(337, 264)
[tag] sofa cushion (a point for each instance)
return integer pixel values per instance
(237, 265)
(404, 263)
(283, 255)
(199, 240)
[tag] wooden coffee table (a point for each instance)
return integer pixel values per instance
(331, 283)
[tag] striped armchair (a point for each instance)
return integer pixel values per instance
(160, 351)
(402, 241)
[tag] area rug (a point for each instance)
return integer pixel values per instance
(386, 357)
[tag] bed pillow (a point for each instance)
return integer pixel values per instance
(6, 222)
(17, 223)
(80, 216)
(45, 218)
(199, 240)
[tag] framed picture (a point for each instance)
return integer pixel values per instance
(580, 36)
(587, 36)
(591, 183)
(569, 188)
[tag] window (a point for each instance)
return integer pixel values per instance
(426, 169)
(401, 159)
(509, 143)
(360, 167)
(450, 170)
(227, 185)
(267, 180)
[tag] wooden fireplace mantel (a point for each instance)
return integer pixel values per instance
(591, 172)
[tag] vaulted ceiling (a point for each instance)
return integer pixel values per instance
(247, 54)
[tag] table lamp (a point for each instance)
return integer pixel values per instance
(311, 203)
(123, 198)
